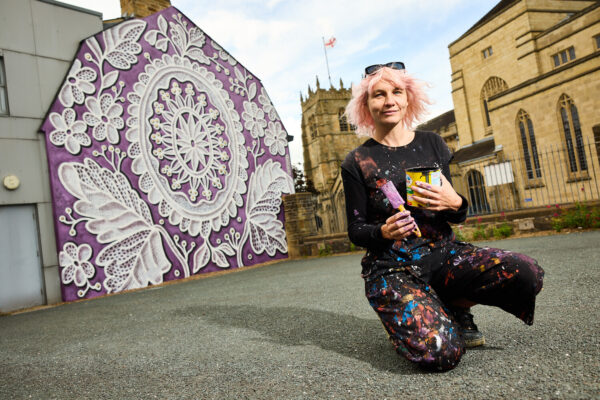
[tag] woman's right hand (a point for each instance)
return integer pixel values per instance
(398, 226)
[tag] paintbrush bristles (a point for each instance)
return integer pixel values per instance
(392, 194)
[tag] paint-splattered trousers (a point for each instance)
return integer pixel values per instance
(414, 310)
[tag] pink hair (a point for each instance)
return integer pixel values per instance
(357, 110)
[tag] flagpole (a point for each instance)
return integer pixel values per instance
(326, 61)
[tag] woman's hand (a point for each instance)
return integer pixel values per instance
(398, 226)
(437, 198)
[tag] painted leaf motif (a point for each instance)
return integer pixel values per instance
(198, 55)
(162, 44)
(219, 258)
(134, 262)
(201, 258)
(264, 200)
(122, 43)
(150, 36)
(94, 47)
(110, 79)
(134, 255)
(239, 75)
(252, 90)
(162, 24)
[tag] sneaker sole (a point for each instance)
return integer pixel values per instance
(475, 342)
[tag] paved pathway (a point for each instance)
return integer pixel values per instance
(302, 330)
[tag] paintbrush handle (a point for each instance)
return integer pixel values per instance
(417, 231)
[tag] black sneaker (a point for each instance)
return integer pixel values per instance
(470, 333)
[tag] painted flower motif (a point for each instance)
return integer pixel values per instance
(267, 105)
(167, 170)
(254, 119)
(275, 138)
(75, 263)
(165, 95)
(189, 90)
(191, 125)
(156, 123)
(105, 116)
(69, 133)
(159, 107)
(157, 138)
(175, 89)
(77, 85)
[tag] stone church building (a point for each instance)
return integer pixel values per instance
(524, 129)
(326, 139)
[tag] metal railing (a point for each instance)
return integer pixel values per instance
(549, 175)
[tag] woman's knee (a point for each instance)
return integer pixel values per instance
(445, 354)
(528, 275)
(433, 351)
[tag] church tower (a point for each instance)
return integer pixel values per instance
(326, 139)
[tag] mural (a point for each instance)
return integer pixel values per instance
(167, 159)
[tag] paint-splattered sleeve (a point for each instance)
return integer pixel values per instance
(360, 231)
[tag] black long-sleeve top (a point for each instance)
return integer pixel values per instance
(367, 208)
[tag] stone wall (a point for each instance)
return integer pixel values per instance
(300, 223)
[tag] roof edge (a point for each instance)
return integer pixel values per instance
(499, 8)
(72, 7)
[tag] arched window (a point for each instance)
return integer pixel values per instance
(492, 86)
(478, 203)
(569, 119)
(528, 145)
(344, 127)
(312, 126)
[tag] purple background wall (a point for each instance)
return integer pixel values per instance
(167, 159)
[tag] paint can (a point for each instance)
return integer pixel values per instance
(432, 176)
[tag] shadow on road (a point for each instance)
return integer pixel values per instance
(347, 335)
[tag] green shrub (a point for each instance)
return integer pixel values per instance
(581, 216)
(503, 231)
(481, 233)
(325, 251)
(459, 234)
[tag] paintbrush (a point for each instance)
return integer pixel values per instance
(394, 197)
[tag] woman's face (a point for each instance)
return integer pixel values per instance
(387, 104)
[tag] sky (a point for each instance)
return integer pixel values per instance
(281, 42)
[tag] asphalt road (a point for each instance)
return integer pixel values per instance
(302, 330)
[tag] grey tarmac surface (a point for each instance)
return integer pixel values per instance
(303, 330)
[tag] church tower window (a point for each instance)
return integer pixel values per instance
(344, 127)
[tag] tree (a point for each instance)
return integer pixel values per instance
(301, 184)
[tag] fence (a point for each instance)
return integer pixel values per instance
(552, 174)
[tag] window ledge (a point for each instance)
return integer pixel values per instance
(534, 183)
(580, 178)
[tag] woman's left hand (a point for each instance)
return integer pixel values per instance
(437, 198)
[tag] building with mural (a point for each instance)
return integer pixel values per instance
(165, 159)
